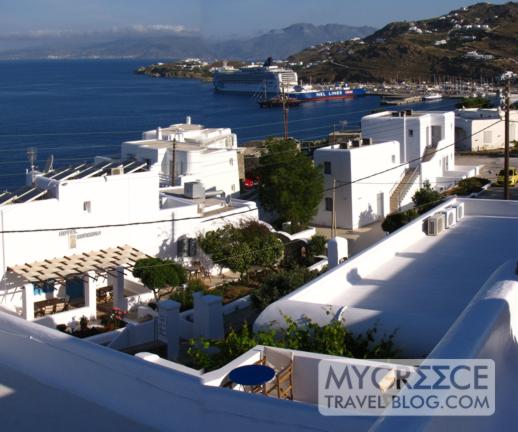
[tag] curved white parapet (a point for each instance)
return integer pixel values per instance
(486, 329)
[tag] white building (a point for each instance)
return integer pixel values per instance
(443, 297)
(364, 201)
(96, 210)
(446, 299)
(483, 129)
(208, 155)
(406, 148)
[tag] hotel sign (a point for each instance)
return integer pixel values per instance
(73, 236)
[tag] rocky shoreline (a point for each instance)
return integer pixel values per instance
(175, 70)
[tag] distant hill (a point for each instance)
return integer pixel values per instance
(472, 42)
(162, 42)
(281, 43)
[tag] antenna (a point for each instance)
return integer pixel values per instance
(49, 164)
(32, 153)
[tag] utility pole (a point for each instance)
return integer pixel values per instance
(506, 151)
(284, 112)
(173, 163)
(333, 220)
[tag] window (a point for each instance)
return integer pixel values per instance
(233, 188)
(231, 161)
(410, 132)
(327, 167)
(329, 204)
(87, 206)
(393, 158)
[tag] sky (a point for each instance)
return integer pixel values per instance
(213, 17)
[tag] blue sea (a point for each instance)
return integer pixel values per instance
(78, 109)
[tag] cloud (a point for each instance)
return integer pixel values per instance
(143, 28)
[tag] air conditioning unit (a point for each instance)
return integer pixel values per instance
(460, 210)
(450, 216)
(435, 224)
(119, 170)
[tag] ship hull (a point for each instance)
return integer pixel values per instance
(326, 94)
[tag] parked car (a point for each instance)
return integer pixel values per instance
(513, 177)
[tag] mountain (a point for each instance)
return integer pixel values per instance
(281, 43)
(479, 41)
(134, 42)
(171, 42)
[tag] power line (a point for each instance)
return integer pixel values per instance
(406, 163)
(221, 217)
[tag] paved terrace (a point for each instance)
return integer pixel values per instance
(412, 282)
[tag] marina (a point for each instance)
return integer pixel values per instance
(116, 105)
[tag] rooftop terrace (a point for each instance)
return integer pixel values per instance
(412, 282)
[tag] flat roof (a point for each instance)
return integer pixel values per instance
(410, 282)
(191, 145)
(452, 266)
(29, 405)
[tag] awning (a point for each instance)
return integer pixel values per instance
(102, 260)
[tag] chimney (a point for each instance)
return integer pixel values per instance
(188, 120)
(159, 133)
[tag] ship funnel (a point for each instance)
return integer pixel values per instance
(188, 120)
(159, 133)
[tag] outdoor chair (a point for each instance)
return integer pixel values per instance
(282, 384)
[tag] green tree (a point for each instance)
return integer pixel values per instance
(240, 247)
(290, 184)
(156, 274)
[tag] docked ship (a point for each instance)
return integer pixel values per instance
(268, 78)
(311, 93)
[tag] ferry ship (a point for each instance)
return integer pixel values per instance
(268, 78)
(311, 93)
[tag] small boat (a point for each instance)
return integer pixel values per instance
(432, 97)
(279, 101)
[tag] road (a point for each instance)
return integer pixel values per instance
(492, 164)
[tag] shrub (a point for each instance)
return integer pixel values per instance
(277, 285)
(184, 295)
(474, 102)
(470, 185)
(331, 339)
(317, 245)
(426, 198)
(395, 221)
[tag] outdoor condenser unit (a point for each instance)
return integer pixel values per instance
(450, 215)
(435, 224)
(460, 210)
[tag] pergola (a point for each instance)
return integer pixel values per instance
(103, 260)
(88, 265)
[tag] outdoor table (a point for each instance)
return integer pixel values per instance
(252, 375)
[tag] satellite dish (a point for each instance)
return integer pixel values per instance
(49, 164)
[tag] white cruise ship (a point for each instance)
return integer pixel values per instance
(255, 79)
